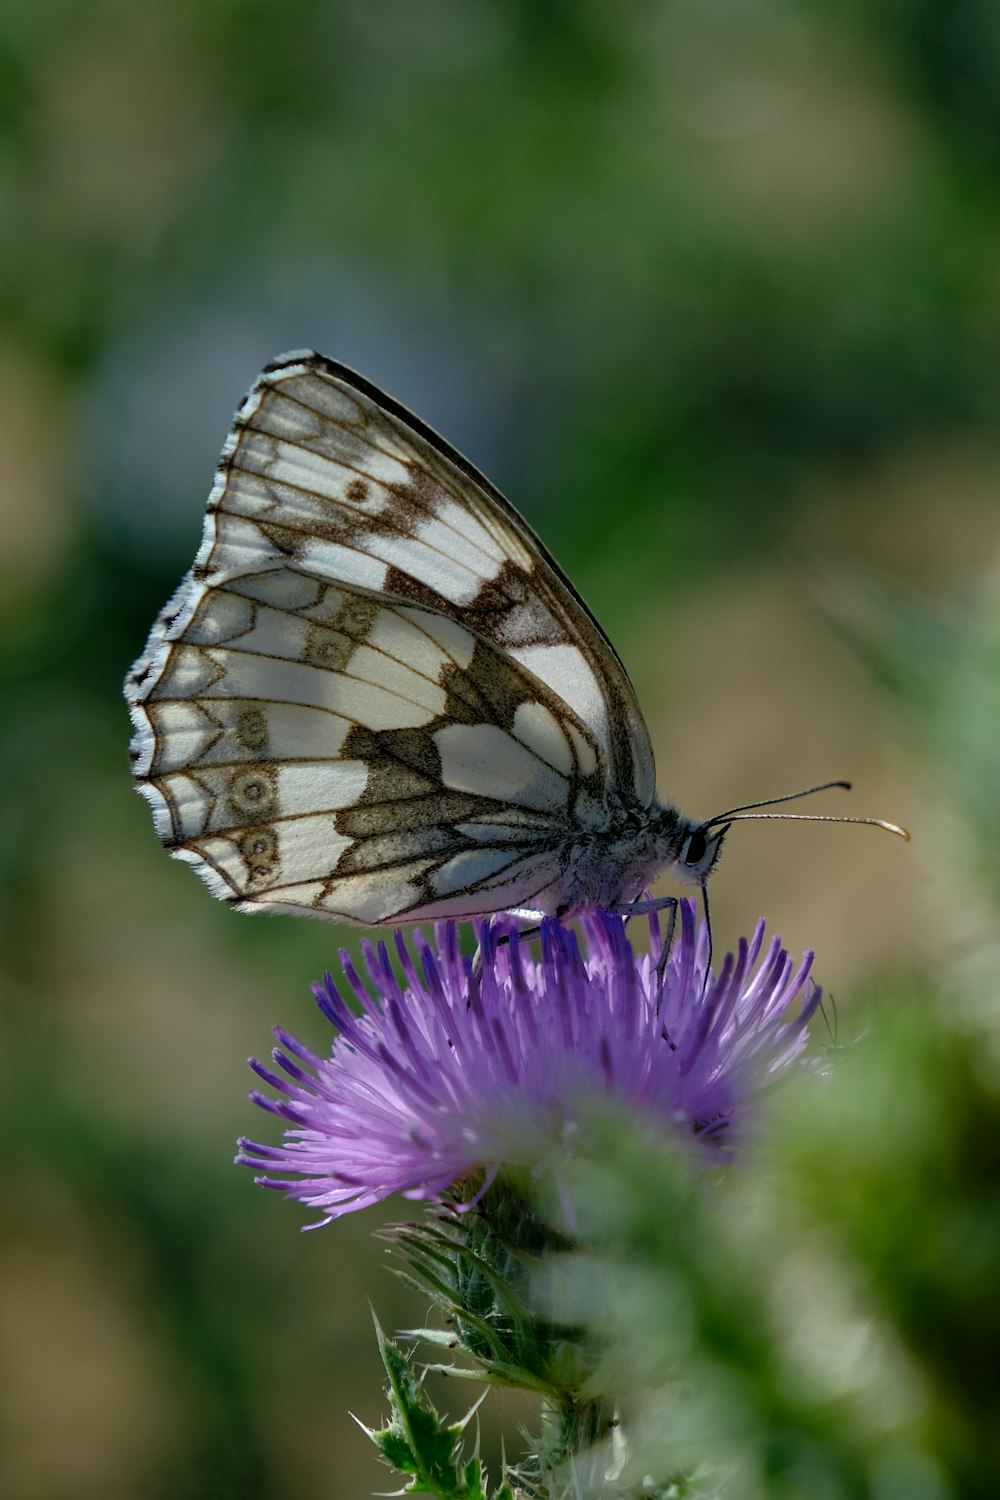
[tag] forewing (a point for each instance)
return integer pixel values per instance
(326, 473)
(325, 748)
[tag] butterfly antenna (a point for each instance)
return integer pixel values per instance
(748, 812)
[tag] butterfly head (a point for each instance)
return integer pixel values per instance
(699, 853)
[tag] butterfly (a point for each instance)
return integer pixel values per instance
(377, 698)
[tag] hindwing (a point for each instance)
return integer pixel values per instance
(321, 747)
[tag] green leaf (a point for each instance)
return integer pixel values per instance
(416, 1440)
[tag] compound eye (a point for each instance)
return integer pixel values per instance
(695, 849)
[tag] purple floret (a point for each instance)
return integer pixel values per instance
(463, 1069)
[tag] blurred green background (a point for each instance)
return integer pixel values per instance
(711, 289)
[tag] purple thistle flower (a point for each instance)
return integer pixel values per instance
(455, 1074)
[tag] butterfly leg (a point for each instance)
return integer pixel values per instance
(668, 904)
(523, 915)
(833, 1025)
(526, 914)
(666, 947)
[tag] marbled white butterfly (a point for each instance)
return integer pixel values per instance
(377, 698)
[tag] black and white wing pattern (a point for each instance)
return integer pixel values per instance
(375, 697)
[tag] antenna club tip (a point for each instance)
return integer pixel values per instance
(901, 833)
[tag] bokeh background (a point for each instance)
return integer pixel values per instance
(711, 289)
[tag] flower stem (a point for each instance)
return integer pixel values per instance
(569, 1427)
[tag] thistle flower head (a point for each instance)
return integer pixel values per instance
(459, 1069)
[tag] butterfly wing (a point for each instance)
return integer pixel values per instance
(375, 695)
(320, 747)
